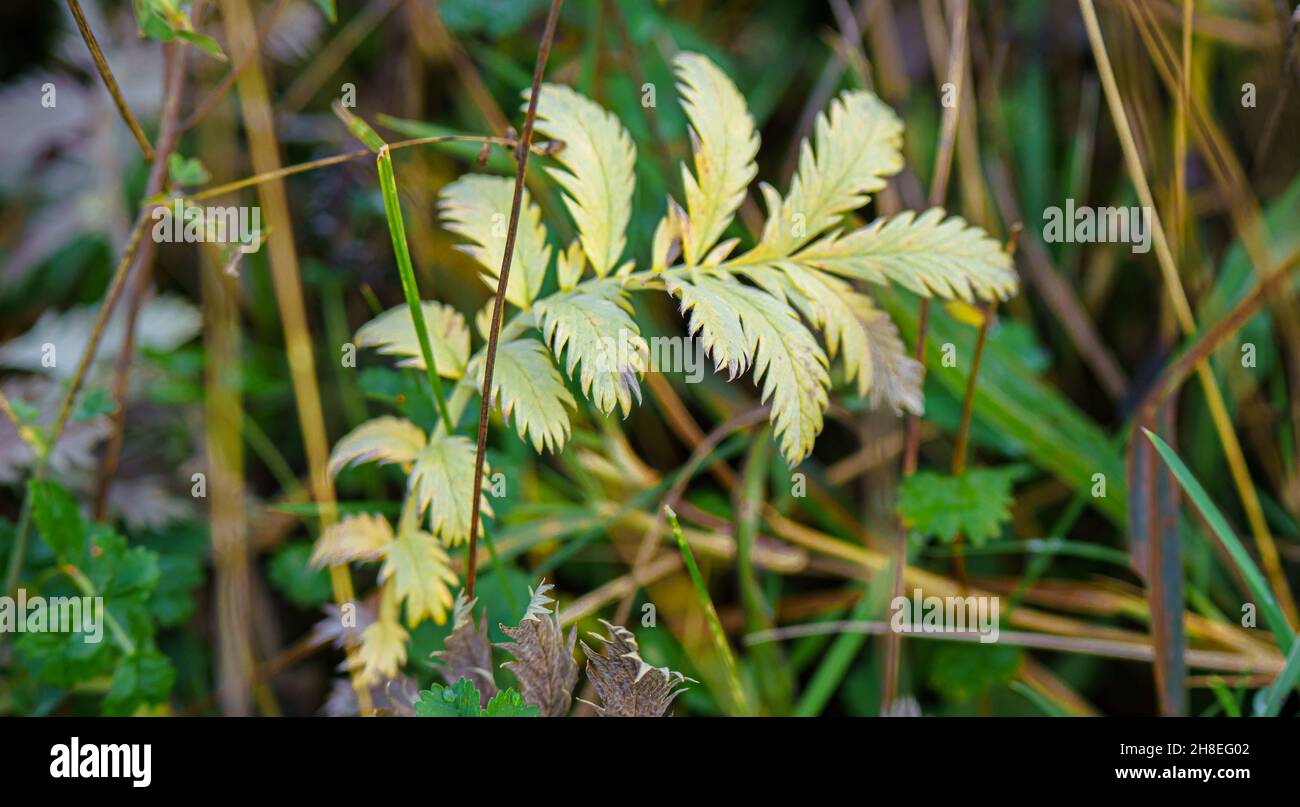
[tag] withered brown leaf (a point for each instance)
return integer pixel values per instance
(467, 653)
(543, 664)
(626, 684)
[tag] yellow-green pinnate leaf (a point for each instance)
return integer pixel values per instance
(742, 325)
(382, 651)
(597, 175)
(477, 207)
(792, 368)
(442, 480)
(927, 254)
(873, 352)
(384, 440)
(356, 537)
(725, 144)
(857, 145)
(393, 333)
(594, 324)
(525, 382)
(421, 576)
(713, 319)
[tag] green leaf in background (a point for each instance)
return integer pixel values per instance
(458, 700)
(94, 402)
(173, 600)
(143, 678)
(461, 700)
(203, 42)
(58, 519)
(187, 171)
(975, 504)
(294, 577)
(961, 672)
(509, 703)
(64, 659)
(152, 18)
(327, 8)
(123, 574)
(493, 17)
(165, 20)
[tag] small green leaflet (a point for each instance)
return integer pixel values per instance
(187, 172)
(165, 20)
(461, 700)
(58, 519)
(93, 403)
(975, 504)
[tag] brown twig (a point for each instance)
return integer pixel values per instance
(111, 83)
(494, 333)
(173, 80)
(325, 162)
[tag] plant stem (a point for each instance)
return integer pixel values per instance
(15, 567)
(489, 364)
(111, 83)
(337, 159)
(173, 81)
(963, 431)
(87, 589)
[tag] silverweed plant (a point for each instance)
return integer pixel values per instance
(758, 312)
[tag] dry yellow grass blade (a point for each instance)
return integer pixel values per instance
(1187, 323)
(255, 105)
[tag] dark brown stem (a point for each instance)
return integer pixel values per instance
(494, 333)
(963, 432)
(174, 79)
(111, 83)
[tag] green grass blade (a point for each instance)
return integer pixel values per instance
(1254, 579)
(740, 702)
(1268, 702)
(393, 209)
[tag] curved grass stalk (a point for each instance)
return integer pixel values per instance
(739, 701)
(393, 209)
